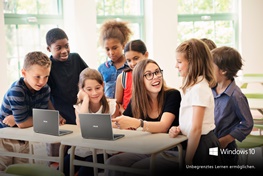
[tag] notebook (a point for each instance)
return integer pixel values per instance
(97, 126)
(46, 121)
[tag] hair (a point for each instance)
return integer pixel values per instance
(136, 45)
(141, 100)
(55, 34)
(200, 62)
(93, 74)
(116, 30)
(210, 43)
(36, 58)
(227, 59)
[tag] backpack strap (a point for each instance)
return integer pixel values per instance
(123, 80)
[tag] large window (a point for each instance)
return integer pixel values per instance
(213, 19)
(26, 24)
(131, 11)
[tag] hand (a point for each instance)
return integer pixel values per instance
(174, 131)
(82, 94)
(9, 120)
(62, 121)
(123, 122)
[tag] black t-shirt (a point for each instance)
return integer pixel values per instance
(63, 81)
(171, 104)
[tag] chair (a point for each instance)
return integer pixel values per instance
(251, 141)
(32, 170)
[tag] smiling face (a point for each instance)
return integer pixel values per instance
(59, 49)
(133, 57)
(154, 85)
(182, 64)
(94, 90)
(36, 77)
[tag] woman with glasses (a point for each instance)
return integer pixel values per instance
(153, 107)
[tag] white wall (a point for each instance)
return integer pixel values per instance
(251, 35)
(80, 23)
(3, 66)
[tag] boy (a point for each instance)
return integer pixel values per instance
(30, 91)
(64, 75)
(233, 118)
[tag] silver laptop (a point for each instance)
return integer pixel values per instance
(97, 126)
(46, 121)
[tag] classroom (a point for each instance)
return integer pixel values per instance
(160, 25)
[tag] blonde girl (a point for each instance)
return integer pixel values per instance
(195, 65)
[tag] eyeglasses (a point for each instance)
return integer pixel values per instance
(149, 76)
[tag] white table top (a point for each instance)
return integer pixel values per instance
(255, 103)
(27, 134)
(134, 142)
(250, 79)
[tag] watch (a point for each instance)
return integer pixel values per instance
(142, 123)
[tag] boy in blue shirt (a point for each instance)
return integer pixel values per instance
(30, 91)
(233, 118)
(64, 74)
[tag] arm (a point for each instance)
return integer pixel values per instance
(82, 107)
(119, 92)
(195, 133)
(161, 126)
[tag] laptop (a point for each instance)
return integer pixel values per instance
(97, 126)
(46, 121)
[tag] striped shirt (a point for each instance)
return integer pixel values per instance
(19, 101)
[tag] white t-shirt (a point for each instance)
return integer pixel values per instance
(83, 151)
(198, 95)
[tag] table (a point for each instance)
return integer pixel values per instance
(27, 134)
(256, 104)
(245, 80)
(134, 142)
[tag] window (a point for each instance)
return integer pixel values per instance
(126, 10)
(213, 19)
(26, 24)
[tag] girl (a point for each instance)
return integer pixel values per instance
(91, 99)
(113, 37)
(194, 62)
(134, 52)
(154, 107)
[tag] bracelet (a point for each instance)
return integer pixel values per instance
(145, 126)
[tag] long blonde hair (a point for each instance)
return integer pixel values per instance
(93, 74)
(200, 62)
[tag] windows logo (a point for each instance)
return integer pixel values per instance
(213, 151)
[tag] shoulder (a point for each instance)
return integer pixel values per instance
(172, 92)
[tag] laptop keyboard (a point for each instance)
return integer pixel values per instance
(63, 132)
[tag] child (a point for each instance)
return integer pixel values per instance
(154, 107)
(113, 37)
(194, 62)
(64, 74)
(134, 52)
(233, 117)
(91, 99)
(210, 43)
(30, 91)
